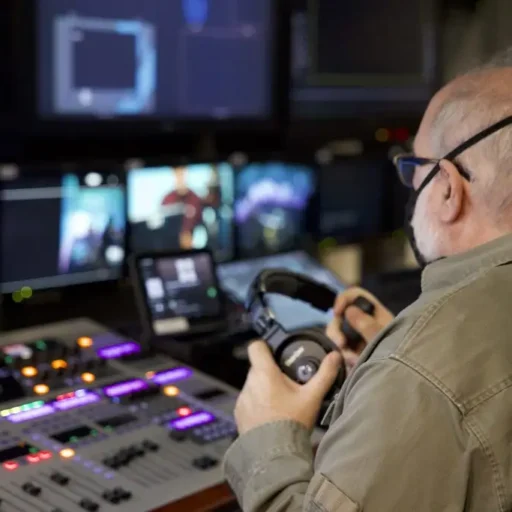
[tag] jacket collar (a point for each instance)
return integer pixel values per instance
(450, 271)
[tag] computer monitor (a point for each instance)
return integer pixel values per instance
(156, 59)
(182, 207)
(363, 57)
(58, 229)
(271, 206)
(352, 199)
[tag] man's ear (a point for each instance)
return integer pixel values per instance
(453, 192)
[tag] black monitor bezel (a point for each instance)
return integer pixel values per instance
(380, 109)
(198, 325)
(25, 44)
(58, 170)
(175, 161)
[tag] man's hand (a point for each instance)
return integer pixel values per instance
(269, 395)
(368, 326)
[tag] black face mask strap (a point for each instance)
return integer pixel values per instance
(465, 145)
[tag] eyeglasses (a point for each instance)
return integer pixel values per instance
(406, 164)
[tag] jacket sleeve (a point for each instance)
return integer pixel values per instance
(398, 446)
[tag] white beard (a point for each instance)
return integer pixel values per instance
(428, 237)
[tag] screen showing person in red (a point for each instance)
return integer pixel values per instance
(182, 207)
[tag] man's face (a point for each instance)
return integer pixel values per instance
(428, 232)
(181, 180)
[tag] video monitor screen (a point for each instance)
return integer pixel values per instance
(58, 230)
(158, 59)
(352, 199)
(179, 290)
(271, 204)
(187, 207)
(236, 278)
(360, 56)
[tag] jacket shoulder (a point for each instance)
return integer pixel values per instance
(461, 342)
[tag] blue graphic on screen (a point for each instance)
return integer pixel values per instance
(160, 59)
(195, 12)
(92, 230)
(270, 207)
(188, 207)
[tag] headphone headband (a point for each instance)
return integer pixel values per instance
(290, 284)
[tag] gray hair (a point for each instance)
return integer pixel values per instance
(478, 100)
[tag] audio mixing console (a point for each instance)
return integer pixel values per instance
(89, 421)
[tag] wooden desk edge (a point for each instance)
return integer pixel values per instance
(204, 501)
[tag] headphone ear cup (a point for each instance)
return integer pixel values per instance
(302, 353)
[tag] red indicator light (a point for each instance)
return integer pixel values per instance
(33, 459)
(184, 411)
(10, 465)
(45, 455)
(401, 135)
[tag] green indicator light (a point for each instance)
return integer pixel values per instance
(26, 292)
(94, 432)
(8, 359)
(41, 345)
(16, 297)
(212, 292)
(33, 450)
(73, 439)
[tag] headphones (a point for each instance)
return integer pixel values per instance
(298, 353)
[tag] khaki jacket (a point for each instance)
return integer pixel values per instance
(423, 423)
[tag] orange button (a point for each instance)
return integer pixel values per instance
(171, 391)
(29, 371)
(59, 363)
(88, 377)
(84, 342)
(67, 453)
(41, 389)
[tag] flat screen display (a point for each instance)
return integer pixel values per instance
(362, 56)
(156, 59)
(271, 205)
(60, 229)
(184, 207)
(236, 277)
(179, 290)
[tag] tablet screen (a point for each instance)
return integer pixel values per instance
(179, 291)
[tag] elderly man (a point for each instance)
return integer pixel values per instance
(424, 421)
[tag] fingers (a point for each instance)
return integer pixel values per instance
(324, 378)
(364, 324)
(260, 356)
(343, 300)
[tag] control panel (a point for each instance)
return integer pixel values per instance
(89, 421)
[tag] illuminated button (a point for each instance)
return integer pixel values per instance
(45, 455)
(84, 342)
(33, 458)
(67, 453)
(10, 465)
(382, 135)
(59, 364)
(184, 411)
(29, 371)
(150, 375)
(41, 389)
(88, 377)
(171, 391)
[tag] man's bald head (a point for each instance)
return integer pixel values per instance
(464, 107)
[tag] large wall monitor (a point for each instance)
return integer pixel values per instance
(60, 229)
(156, 59)
(361, 56)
